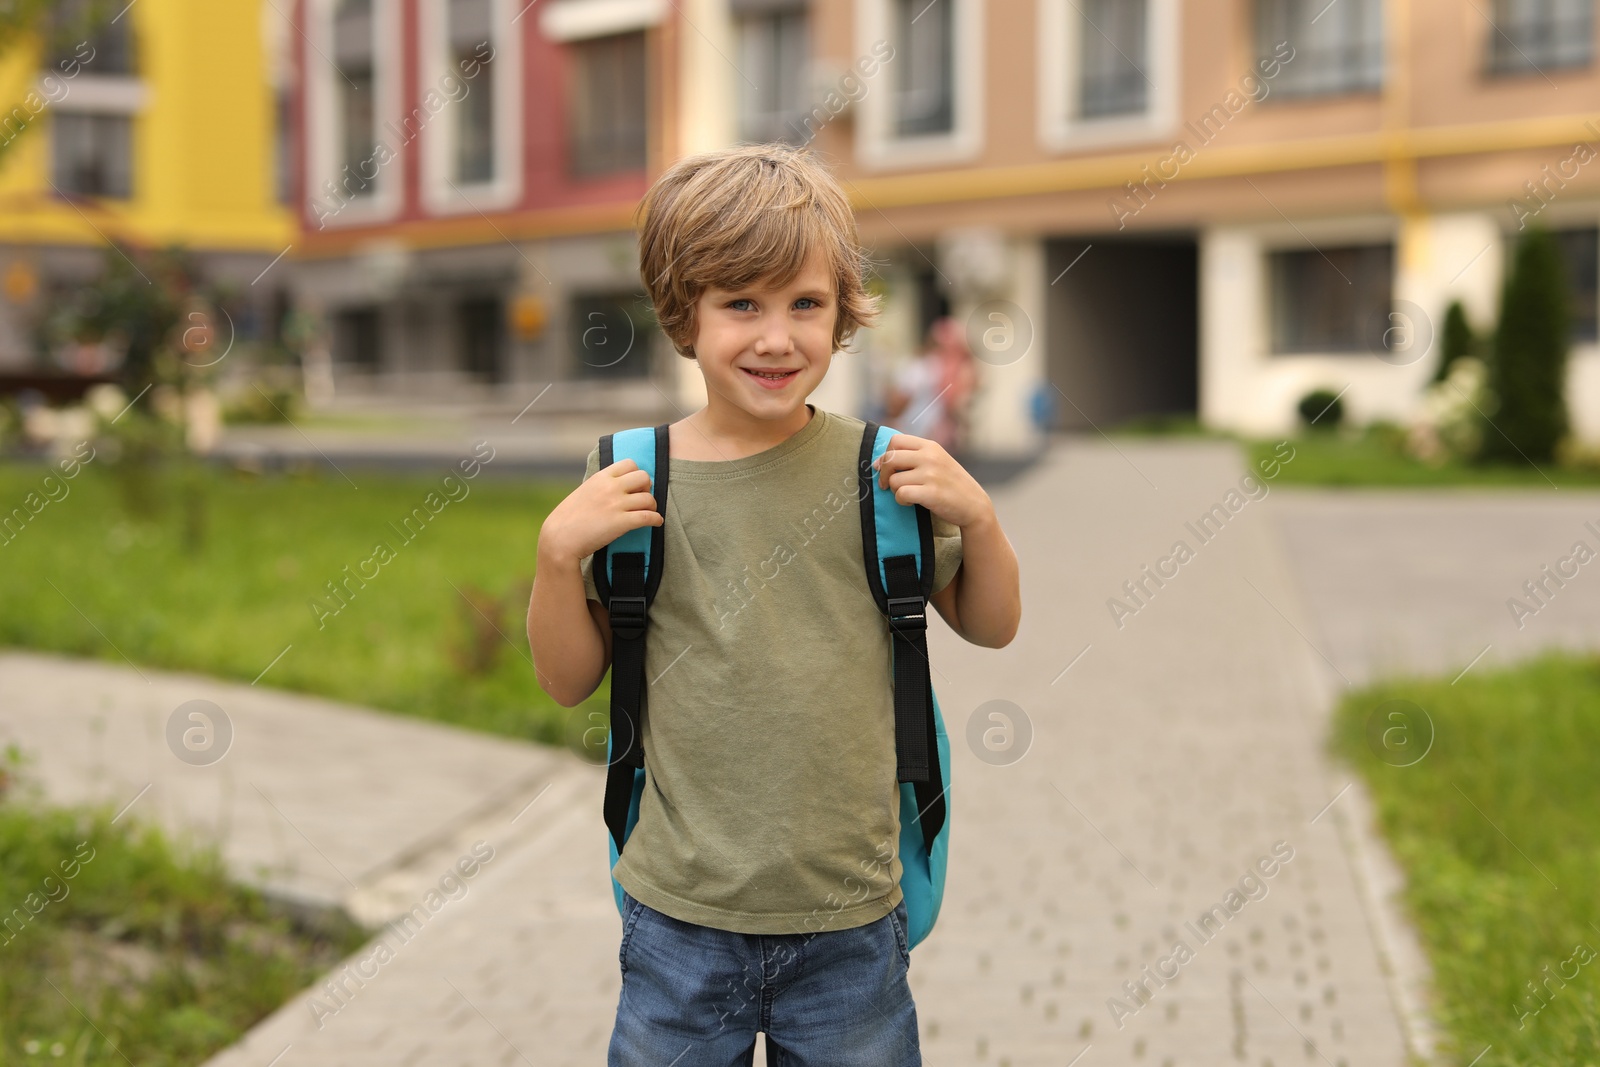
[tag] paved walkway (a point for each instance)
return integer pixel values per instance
(1170, 755)
(1411, 582)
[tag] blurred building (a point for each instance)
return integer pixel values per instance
(159, 128)
(1134, 209)
(468, 175)
(1213, 214)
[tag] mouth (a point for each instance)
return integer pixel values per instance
(771, 379)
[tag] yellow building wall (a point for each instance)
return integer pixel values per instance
(202, 143)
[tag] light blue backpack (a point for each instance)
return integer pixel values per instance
(897, 542)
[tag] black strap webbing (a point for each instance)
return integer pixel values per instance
(916, 746)
(628, 615)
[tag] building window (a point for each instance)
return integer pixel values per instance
(608, 104)
(471, 34)
(1338, 47)
(356, 340)
(609, 335)
(354, 55)
(92, 154)
(110, 38)
(481, 320)
(1580, 255)
(924, 99)
(283, 145)
(774, 49)
(1331, 300)
(1532, 35)
(1112, 56)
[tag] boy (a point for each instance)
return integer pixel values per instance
(761, 885)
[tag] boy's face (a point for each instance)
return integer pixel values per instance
(758, 328)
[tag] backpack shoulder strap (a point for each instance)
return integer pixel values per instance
(897, 544)
(627, 574)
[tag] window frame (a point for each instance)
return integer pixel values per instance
(794, 131)
(439, 136)
(94, 95)
(1060, 128)
(323, 134)
(878, 147)
(1269, 252)
(1495, 64)
(95, 116)
(573, 171)
(1285, 91)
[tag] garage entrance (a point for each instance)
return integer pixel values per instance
(1123, 329)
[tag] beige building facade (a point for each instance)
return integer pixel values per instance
(1154, 208)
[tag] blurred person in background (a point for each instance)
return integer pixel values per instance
(934, 389)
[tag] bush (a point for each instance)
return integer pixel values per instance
(1527, 369)
(1321, 409)
(1456, 340)
(269, 403)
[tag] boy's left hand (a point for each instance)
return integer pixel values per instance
(920, 471)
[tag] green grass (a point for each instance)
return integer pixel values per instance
(84, 578)
(1374, 458)
(1367, 456)
(1496, 902)
(120, 948)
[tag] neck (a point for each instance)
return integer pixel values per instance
(736, 431)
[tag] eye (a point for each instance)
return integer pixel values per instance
(807, 303)
(736, 305)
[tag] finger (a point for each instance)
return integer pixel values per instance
(895, 459)
(633, 480)
(621, 467)
(903, 443)
(911, 494)
(885, 460)
(638, 501)
(906, 441)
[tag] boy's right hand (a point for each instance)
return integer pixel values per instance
(615, 500)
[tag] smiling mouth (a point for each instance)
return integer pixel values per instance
(770, 376)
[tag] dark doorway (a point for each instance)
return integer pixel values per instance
(1123, 324)
(482, 337)
(609, 334)
(356, 337)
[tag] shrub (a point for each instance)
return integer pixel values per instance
(268, 403)
(1455, 341)
(1321, 409)
(1527, 368)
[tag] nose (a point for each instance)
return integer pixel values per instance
(773, 337)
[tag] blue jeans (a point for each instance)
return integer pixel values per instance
(695, 996)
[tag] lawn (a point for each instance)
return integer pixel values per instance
(1498, 830)
(118, 948)
(1374, 458)
(225, 587)
(1365, 456)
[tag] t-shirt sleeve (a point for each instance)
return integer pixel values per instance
(587, 563)
(946, 552)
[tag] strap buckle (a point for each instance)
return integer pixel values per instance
(910, 616)
(629, 621)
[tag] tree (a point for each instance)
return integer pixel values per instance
(1528, 362)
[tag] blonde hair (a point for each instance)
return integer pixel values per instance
(734, 217)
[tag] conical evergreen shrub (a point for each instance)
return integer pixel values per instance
(1528, 364)
(1455, 340)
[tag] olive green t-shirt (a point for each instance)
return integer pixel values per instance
(770, 803)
